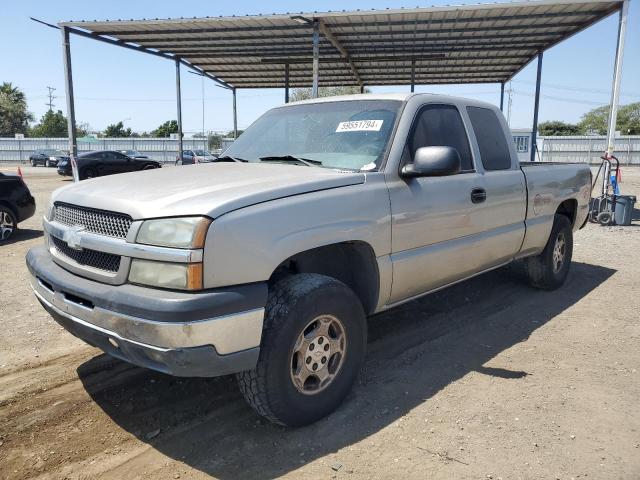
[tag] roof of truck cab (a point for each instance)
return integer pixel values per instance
(402, 97)
(477, 43)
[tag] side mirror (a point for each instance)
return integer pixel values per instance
(436, 161)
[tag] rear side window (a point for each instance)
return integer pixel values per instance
(441, 125)
(494, 150)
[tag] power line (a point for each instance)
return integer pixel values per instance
(51, 97)
(578, 89)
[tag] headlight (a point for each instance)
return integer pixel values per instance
(187, 232)
(180, 276)
(53, 158)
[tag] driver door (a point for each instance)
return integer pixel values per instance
(434, 219)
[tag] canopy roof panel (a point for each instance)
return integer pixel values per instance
(484, 43)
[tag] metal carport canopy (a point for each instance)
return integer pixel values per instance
(483, 43)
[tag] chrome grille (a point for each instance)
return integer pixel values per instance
(111, 224)
(89, 258)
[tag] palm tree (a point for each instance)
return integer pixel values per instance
(14, 117)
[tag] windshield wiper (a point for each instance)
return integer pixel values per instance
(290, 158)
(226, 158)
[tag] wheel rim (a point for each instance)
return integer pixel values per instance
(559, 252)
(6, 225)
(318, 354)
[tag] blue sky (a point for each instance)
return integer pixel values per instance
(113, 84)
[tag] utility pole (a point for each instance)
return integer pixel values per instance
(51, 97)
(509, 103)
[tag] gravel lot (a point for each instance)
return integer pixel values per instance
(488, 379)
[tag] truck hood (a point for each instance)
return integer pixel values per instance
(211, 189)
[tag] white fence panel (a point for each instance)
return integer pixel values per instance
(588, 149)
(164, 150)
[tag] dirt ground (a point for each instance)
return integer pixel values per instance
(486, 380)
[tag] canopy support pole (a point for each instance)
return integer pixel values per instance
(179, 108)
(536, 107)
(617, 75)
(316, 57)
(71, 110)
(502, 96)
(286, 83)
(413, 75)
(235, 115)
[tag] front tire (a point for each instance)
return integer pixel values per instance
(313, 344)
(549, 270)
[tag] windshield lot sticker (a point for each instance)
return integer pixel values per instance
(360, 126)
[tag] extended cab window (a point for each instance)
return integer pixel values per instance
(440, 125)
(492, 142)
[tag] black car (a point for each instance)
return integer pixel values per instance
(98, 164)
(16, 204)
(49, 157)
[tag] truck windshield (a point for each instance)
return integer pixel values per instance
(349, 135)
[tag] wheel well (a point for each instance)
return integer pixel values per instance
(568, 208)
(353, 263)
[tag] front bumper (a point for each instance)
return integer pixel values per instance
(204, 334)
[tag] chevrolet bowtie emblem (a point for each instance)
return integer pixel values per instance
(72, 236)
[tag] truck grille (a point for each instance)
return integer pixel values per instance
(111, 224)
(89, 258)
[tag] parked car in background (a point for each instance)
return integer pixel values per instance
(189, 157)
(98, 164)
(49, 157)
(133, 154)
(16, 204)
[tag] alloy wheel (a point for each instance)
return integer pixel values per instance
(6, 225)
(318, 354)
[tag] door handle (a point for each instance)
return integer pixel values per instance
(478, 195)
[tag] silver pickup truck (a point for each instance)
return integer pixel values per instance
(266, 263)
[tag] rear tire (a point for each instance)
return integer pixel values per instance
(8, 224)
(88, 173)
(46, 163)
(549, 270)
(314, 329)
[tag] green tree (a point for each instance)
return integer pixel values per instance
(627, 121)
(14, 117)
(555, 128)
(166, 129)
(117, 130)
(231, 132)
(305, 93)
(52, 124)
